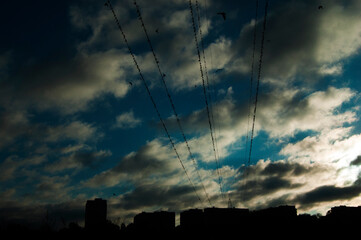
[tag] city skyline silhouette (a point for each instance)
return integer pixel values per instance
(281, 221)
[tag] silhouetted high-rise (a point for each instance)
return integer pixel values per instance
(95, 213)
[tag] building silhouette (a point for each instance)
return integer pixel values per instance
(281, 214)
(343, 216)
(213, 222)
(344, 212)
(155, 221)
(192, 218)
(225, 217)
(95, 214)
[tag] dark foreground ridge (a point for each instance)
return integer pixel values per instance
(208, 223)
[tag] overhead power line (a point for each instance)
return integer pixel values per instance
(162, 76)
(152, 99)
(258, 80)
(205, 96)
(208, 88)
(251, 79)
(207, 79)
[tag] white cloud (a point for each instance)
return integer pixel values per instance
(74, 148)
(339, 32)
(336, 147)
(283, 113)
(127, 120)
(76, 130)
(335, 69)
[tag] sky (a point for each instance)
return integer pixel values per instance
(77, 122)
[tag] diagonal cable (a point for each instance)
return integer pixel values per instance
(206, 74)
(207, 82)
(252, 74)
(258, 80)
(162, 75)
(205, 96)
(152, 99)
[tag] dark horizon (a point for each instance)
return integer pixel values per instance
(95, 215)
(281, 221)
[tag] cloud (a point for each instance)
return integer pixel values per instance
(336, 147)
(270, 179)
(76, 130)
(357, 161)
(127, 120)
(68, 85)
(157, 179)
(170, 31)
(49, 189)
(12, 125)
(14, 163)
(328, 193)
(281, 113)
(301, 43)
(71, 84)
(74, 148)
(284, 113)
(79, 160)
(306, 185)
(150, 196)
(152, 159)
(331, 69)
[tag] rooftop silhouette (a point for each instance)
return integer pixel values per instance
(95, 213)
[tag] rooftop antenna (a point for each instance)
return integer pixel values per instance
(230, 203)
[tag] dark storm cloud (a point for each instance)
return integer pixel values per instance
(279, 169)
(300, 39)
(70, 84)
(158, 195)
(285, 168)
(284, 183)
(268, 178)
(264, 186)
(356, 162)
(145, 161)
(289, 42)
(151, 159)
(328, 193)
